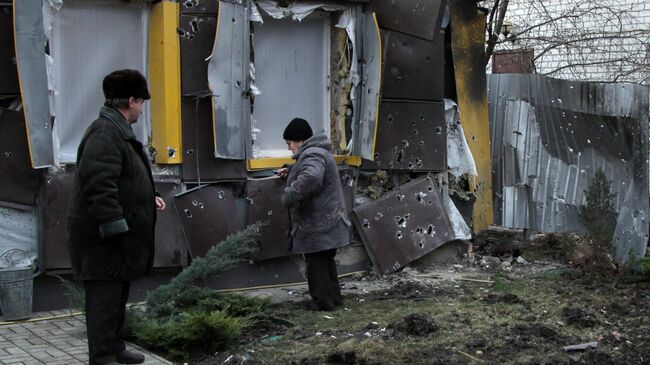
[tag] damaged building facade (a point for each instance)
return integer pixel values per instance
(225, 78)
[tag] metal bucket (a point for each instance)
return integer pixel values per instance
(16, 287)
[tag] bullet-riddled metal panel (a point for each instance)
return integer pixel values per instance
(420, 18)
(228, 71)
(171, 246)
(413, 68)
(404, 225)
(199, 163)
(196, 33)
(412, 136)
(264, 206)
(52, 211)
(365, 132)
(209, 214)
(199, 6)
(263, 196)
(285, 270)
(9, 74)
(30, 58)
(18, 181)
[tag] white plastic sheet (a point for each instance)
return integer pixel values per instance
(459, 157)
(90, 39)
(18, 238)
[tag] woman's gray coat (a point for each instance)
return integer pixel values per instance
(315, 198)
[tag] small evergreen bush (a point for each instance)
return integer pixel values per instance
(182, 319)
(599, 218)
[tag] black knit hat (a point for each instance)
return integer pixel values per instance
(297, 130)
(123, 84)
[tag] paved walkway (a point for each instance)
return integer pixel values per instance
(52, 338)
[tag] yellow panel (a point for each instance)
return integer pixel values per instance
(274, 163)
(467, 43)
(165, 82)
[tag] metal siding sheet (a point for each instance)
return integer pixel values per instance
(199, 7)
(419, 18)
(412, 136)
(404, 225)
(285, 270)
(199, 163)
(264, 205)
(413, 68)
(209, 214)
(171, 246)
(18, 181)
(30, 57)
(228, 79)
(53, 211)
(196, 34)
(365, 133)
(9, 75)
(572, 130)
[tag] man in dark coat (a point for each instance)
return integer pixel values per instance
(112, 215)
(318, 221)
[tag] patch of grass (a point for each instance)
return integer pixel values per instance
(514, 321)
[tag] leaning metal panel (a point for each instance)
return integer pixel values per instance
(196, 33)
(420, 18)
(30, 57)
(413, 68)
(52, 211)
(285, 270)
(18, 181)
(9, 74)
(199, 163)
(228, 78)
(404, 225)
(264, 205)
(209, 214)
(411, 136)
(171, 246)
(366, 129)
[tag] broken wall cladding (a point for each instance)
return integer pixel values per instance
(411, 136)
(413, 68)
(236, 204)
(404, 225)
(52, 211)
(9, 75)
(197, 31)
(416, 18)
(199, 7)
(549, 137)
(19, 182)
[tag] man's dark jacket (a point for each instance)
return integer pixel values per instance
(112, 208)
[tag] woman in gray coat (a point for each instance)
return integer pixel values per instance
(317, 211)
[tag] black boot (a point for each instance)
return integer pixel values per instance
(128, 357)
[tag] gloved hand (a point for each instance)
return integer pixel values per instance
(118, 265)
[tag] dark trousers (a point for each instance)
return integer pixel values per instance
(323, 280)
(105, 317)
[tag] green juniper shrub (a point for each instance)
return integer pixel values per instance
(599, 218)
(182, 319)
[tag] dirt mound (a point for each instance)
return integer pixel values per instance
(415, 324)
(578, 318)
(505, 298)
(408, 290)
